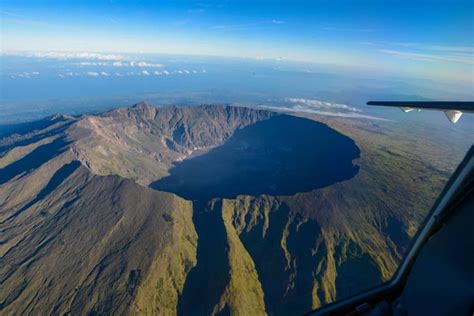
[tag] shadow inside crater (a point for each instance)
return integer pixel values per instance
(283, 155)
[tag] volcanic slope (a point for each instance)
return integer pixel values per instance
(264, 213)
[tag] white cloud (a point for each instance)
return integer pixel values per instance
(25, 74)
(430, 57)
(73, 55)
(119, 64)
(426, 52)
(144, 64)
(462, 49)
(302, 109)
(68, 74)
(320, 108)
(92, 63)
(311, 104)
(432, 47)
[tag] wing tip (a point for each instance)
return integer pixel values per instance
(453, 116)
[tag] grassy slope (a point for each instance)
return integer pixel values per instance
(312, 248)
(243, 294)
(92, 244)
(285, 254)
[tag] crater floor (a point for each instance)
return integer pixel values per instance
(283, 155)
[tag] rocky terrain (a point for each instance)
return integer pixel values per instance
(201, 210)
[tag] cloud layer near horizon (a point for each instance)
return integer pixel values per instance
(319, 107)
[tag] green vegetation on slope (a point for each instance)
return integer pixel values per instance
(78, 235)
(92, 244)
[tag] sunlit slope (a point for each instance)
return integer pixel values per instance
(81, 232)
(75, 239)
(142, 142)
(75, 242)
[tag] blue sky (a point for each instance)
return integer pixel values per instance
(426, 39)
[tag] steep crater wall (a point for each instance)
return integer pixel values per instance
(282, 155)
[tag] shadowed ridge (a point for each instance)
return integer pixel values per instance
(34, 159)
(142, 142)
(59, 176)
(29, 127)
(106, 245)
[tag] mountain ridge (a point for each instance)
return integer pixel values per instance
(156, 136)
(81, 231)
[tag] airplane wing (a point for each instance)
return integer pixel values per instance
(452, 109)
